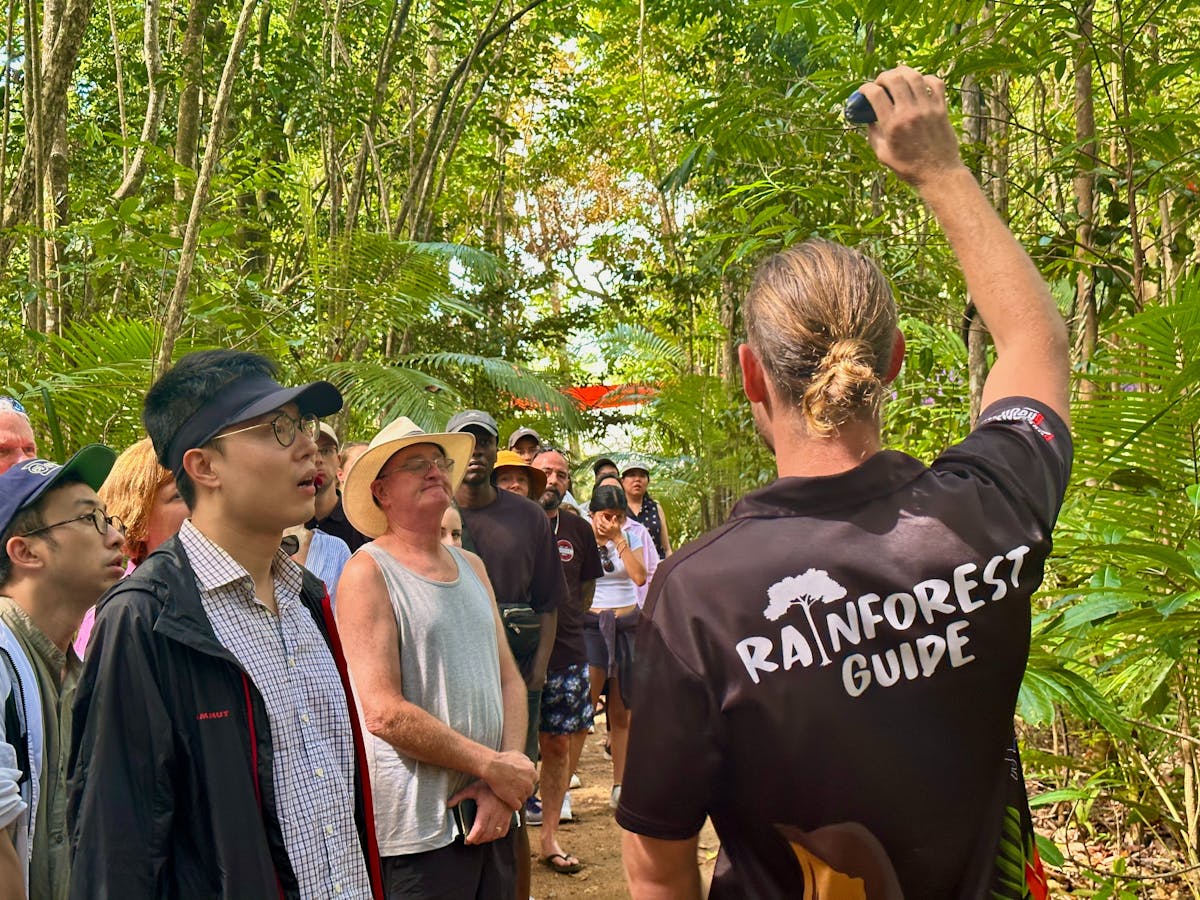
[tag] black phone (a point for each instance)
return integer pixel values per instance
(859, 110)
(464, 817)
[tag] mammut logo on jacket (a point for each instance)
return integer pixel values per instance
(214, 714)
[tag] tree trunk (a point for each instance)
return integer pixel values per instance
(57, 54)
(187, 119)
(420, 192)
(1086, 324)
(383, 76)
(975, 124)
(191, 235)
(131, 183)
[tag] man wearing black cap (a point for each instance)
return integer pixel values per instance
(218, 750)
(512, 535)
(330, 517)
(59, 552)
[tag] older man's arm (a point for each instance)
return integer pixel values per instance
(369, 636)
(661, 870)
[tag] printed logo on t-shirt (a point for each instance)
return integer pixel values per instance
(566, 550)
(847, 623)
(1035, 418)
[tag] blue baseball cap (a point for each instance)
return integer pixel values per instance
(24, 483)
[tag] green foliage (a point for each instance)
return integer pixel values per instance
(1117, 635)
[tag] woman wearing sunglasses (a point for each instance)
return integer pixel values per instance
(609, 626)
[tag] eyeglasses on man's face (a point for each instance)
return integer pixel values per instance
(284, 427)
(419, 467)
(99, 519)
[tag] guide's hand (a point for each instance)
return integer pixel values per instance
(912, 134)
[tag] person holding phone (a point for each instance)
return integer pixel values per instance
(441, 695)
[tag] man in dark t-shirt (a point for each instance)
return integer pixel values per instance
(566, 701)
(512, 536)
(330, 517)
(832, 674)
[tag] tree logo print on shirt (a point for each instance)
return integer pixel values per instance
(804, 590)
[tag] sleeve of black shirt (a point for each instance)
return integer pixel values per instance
(1025, 449)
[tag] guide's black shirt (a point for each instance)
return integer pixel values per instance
(842, 659)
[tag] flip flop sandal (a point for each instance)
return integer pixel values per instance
(566, 867)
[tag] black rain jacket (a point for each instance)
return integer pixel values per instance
(172, 792)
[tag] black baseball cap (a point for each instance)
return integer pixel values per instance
(23, 484)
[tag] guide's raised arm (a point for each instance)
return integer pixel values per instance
(914, 138)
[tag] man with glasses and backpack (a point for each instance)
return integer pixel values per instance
(59, 551)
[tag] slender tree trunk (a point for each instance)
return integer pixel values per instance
(418, 195)
(1131, 178)
(119, 71)
(135, 171)
(51, 65)
(976, 127)
(187, 119)
(1086, 322)
(383, 75)
(191, 235)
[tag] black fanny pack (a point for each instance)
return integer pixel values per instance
(523, 626)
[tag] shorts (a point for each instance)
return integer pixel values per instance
(531, 727)
(610, 647)
(453, 872)
(566, 701)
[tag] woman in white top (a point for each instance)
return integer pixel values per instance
(609, 626)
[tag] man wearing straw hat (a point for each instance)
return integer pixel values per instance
(441, 695)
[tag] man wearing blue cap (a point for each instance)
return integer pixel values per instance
(217, 750)
(59, 551)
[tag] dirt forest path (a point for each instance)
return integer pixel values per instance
(595, 838)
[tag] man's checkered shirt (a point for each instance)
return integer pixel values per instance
(287, 659)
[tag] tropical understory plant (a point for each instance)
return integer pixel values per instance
(1117, 644)
(86, 383)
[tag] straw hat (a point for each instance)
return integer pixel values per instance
(357, 501)
(508, 459)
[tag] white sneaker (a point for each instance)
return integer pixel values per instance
(614, 799)
(566, 808)
(575, 782)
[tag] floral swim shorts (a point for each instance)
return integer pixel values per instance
(566, 701)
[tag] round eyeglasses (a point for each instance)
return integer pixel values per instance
(419, 467)
(99, 519)
(284, 428)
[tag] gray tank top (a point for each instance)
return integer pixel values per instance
(449, 666)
